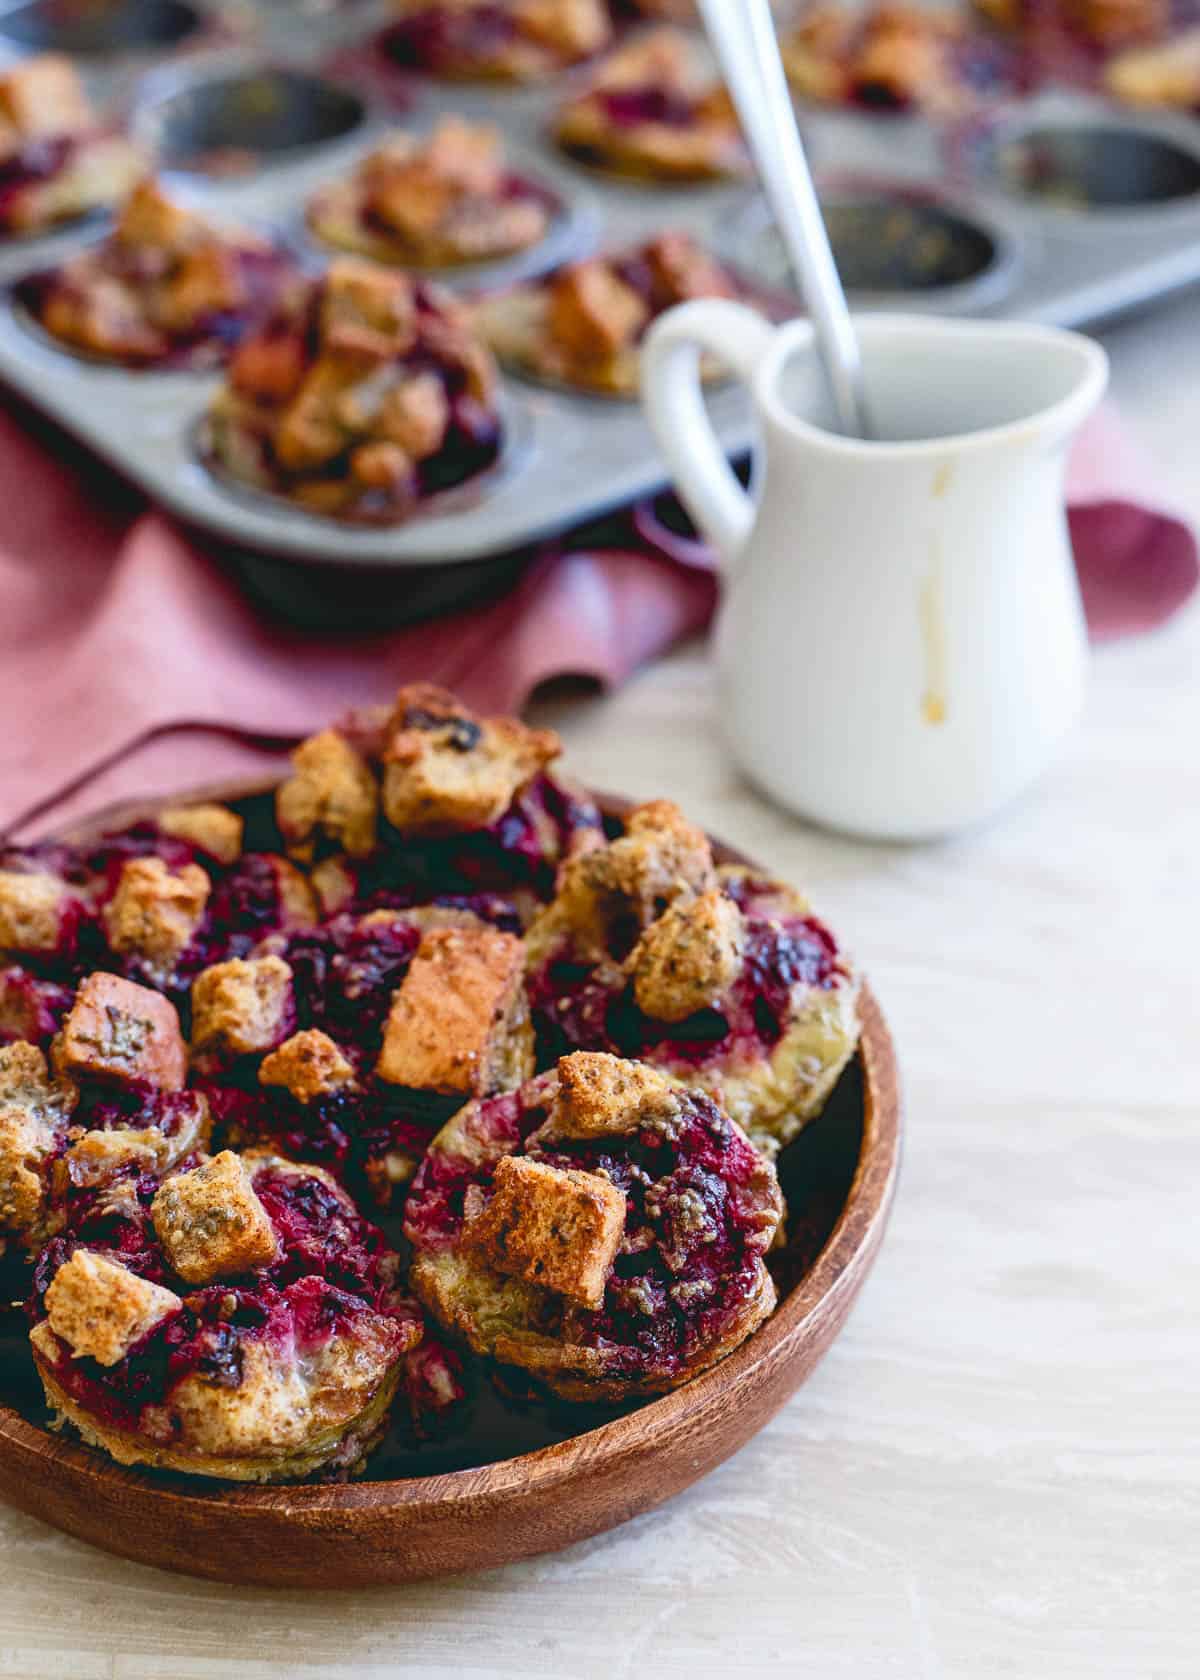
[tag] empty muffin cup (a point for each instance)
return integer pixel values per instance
(1094, 166)
(93, 28)
(892, 242)
(235, 123)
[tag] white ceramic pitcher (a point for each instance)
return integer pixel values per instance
(901, 646)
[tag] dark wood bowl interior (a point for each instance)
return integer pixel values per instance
(515, 1474)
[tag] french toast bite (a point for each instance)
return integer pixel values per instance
(167, 288)
(240, 1320)
(727, 982)
(362, 395)
(439, 201)
(582, 325)
(652, 109)
(607, 1262)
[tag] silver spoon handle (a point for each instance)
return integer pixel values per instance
(742, 33)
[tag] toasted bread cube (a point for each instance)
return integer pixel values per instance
(446, 770)
(630, 882)
(689, 957)
(600, 1095)
(211, 1222)
(34, 1113)
(155, 913)
(206, 280)
(297, 901)
(592, 312)
(455, 1013)
(32, 908)
(469, 154)
(331, 792)
(556, 1227)
(243, 1007)
(411, 198)
(149, 217)
(122, 1031)
(335, 882)
(312, 430)
(44, 95)
(101, 1309)
(213, 829)
(309, 1065)
(415, 415)
(366, 311)
(268, 366)
(682, 269)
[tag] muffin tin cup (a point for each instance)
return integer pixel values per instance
(100, 28)
(1086, 166)
(897, 246)
(291, 118)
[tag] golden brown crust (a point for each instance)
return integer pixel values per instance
(556, 1228)
(155, 912)
(101, 1309)
(211, 1223)
(686, 959)
(450, 1017)
(345, 1443)
(333, 793)
(447, 770)
(487, 1310)
(241, 1006)
(430, 201)
(214, 829)
(122, 1031)
(309, 1065)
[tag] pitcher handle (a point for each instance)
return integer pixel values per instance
(673, 396)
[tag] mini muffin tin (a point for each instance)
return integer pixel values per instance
(1055, 209)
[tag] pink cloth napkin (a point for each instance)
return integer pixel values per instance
(131, 663)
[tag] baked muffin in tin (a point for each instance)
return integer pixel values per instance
(652, 110)
(168, 288)
(582, 326)
(364, 395)
(495, 40)
(57, 161)
(443, 200)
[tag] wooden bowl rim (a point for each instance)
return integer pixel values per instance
(855, 1232)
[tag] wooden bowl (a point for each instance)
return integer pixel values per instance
(378, 1531)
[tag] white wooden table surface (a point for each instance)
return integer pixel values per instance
(995, 1471)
